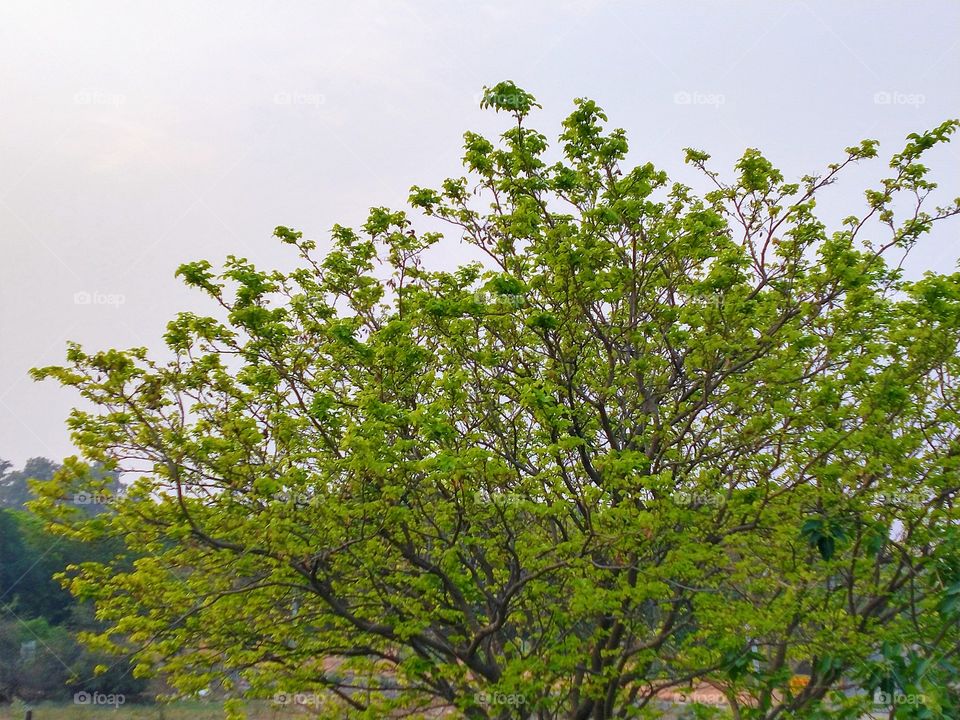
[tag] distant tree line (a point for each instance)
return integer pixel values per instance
(40, 655)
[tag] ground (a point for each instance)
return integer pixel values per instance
(176, 711)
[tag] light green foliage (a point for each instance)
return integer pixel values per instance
(658, 439)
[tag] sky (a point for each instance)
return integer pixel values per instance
(135, 136)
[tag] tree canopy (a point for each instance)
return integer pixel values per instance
(658, 437)
(14, 487)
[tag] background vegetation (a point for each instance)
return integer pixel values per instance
(40, 621)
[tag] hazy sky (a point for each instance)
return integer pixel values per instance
(138, 135)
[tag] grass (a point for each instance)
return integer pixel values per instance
(173, 711)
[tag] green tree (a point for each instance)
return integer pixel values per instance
(40, 661)
(30, 557)
(657, 437)
(40, 657)
(14, 560)
(14, 486)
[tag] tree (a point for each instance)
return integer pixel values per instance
(39, 661)
(14, 486)
(30, 556)
(657, 438)
(40, 657)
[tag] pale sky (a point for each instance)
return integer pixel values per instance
(135, 136)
